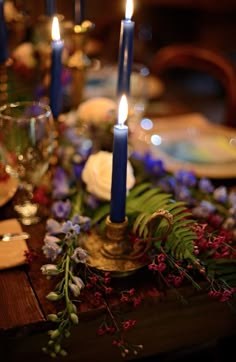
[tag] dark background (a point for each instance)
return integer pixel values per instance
(209, 23)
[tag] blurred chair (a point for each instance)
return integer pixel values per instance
(197, 58)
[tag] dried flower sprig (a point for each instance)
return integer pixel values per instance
(98, 291)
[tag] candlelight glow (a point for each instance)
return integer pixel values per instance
(123, 110)
(129, 9)
(55, 29)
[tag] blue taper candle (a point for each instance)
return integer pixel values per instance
(125, 51)
(79, 10)
(56, 69)
(119, 165)
(50, 7)
(3, 35)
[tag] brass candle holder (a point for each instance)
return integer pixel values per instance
(4, 68)
(114, 252)
(78, 62)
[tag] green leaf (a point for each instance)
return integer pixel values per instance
(143, 201)
(100, 214)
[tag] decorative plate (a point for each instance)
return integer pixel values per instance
(103, 81)
(190, 142)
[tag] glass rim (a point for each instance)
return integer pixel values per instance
(12, 105)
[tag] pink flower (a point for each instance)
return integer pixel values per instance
(161, 267)
(124, 299)
(153, 266)
(128, 324)
(101, 331)
(177, 281)
(108, 290)
(136, 301)
(161, 258)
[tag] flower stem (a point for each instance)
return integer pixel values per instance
(111, 316)
(66, 286)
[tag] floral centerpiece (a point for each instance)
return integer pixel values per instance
(198, 249)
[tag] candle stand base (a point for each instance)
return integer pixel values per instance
(113, 252)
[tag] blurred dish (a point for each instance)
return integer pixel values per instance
(103, 81)
(190, 142)
(8, 189)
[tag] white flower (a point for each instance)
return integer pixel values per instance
(10, 11)
(97, 110)
(97, 175)
(24, 55)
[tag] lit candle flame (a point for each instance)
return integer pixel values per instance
(129, 9)
(123, 110)
(55, 29)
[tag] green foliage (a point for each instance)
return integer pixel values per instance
(141, 203)
(222, 269)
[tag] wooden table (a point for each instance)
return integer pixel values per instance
(164, 325)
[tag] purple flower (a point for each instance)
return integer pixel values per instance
(232, 198)
(51, 249)
(85, 148)
(182, 193)
(186, 178)
(72, 136)
(78, 168)
(92, 201)
(83, 221)
(69, 226)
(220, 194)
(204, 209)
(51, 239)
(205, 185)
(137, 156)
(53, 227)
(153, 166)
(60, 184)
(80, 255)
(208, 205)
(167, 183)
(61, 209)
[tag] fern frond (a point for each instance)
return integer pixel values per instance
(222, 268)
(101, 214)
(144, 202)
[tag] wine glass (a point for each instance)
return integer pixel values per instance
(26, 145)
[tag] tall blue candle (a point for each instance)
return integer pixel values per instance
(3, 35)
(125, 51)
(119, 165)
(79, 10)
(50, 7)
(56, 69)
